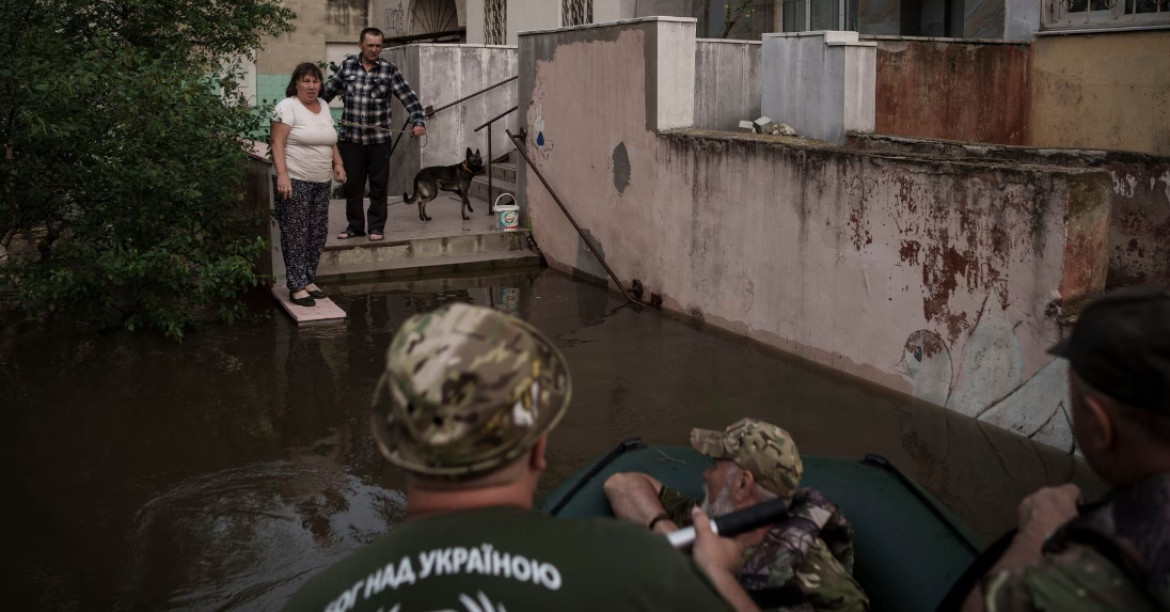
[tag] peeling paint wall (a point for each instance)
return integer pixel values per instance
(441, 74)
(1139, 197)
(930, 276)
(1109, 90)
(971, 92)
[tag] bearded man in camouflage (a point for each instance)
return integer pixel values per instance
(464, 407)
(802, 563)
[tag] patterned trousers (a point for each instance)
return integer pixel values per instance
(304, 224)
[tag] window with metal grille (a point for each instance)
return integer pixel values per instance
(1102, 14)
(495, 22)
(576, 12)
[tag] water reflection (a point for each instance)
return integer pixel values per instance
(246, 536)
(222, 472)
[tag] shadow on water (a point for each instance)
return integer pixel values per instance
(222, 472)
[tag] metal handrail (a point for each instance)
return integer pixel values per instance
(491, 158)
(431, 111)
(495, 119)
(588, 243)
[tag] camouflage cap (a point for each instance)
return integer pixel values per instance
(763, 449)
(466, 391)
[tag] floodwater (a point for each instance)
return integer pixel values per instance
(223, 471)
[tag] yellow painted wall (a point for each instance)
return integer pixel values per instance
(1102, 91)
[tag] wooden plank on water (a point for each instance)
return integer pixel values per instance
(324, 310)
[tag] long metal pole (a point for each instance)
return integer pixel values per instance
(588, 243)
(472, 95)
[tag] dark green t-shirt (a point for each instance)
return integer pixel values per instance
(497, 559)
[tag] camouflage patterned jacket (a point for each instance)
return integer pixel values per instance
(805, 561)
(1116, 557)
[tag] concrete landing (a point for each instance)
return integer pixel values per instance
(402, 222)
(325, 310)
(413, 248)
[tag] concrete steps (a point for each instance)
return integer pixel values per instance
(479, 188)
(457, 281)
(428, 266)
(389, 251)
(503, 181)
(504, 171)
(414, 249)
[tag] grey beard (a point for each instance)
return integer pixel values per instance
(722, 504)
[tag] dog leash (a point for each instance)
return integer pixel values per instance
(384, 129)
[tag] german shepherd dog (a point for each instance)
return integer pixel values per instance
(429, 181)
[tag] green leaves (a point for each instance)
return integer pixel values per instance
(124, 123)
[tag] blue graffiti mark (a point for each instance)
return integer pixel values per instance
(540, 139)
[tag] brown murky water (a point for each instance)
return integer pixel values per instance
(220, 473)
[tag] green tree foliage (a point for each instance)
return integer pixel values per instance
(733, 12)
(121, 123)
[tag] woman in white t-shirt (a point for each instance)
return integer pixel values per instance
(306, 161)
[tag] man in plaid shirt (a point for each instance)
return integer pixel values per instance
(364, 137)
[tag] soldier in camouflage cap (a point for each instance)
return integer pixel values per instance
(763, 449)
(467, 390)
(465, 406)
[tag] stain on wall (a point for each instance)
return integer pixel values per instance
(727, 83)
(953, 91)
(621, 167)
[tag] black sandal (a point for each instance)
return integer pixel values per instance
(347, 234)
(317, 294)
(306, 301)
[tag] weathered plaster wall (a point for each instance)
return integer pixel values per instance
(1139, 199)
(727, 83)
(441, 74)
(474, 16)
(532, 15)
(321, 28)
(317, 23)
(930, 276)
(821, 83)
(1102, 91)
(966, 91)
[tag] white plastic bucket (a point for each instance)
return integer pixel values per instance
(507, 215)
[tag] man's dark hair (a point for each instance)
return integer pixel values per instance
(300, 72)
(371, 31)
